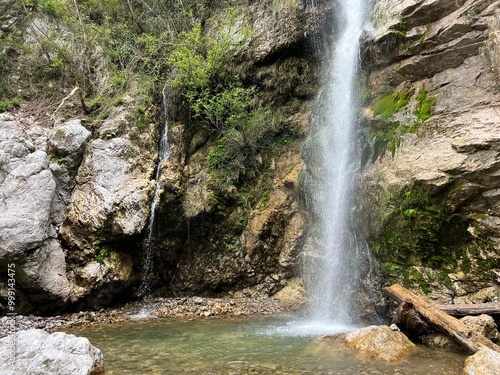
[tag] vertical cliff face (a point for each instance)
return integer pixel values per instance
(431, 184)
(224, 229)
(78, 157)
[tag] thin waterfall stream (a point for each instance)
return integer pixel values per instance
(332, 161)
(163, 154)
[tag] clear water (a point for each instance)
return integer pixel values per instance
(332, 162)
(241, 346)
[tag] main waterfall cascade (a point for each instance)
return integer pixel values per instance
(332, 255)
(163, 154)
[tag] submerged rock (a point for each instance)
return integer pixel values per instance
(484, 362)
(38, 352)
(441, 341)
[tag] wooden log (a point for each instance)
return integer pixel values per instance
(440, 320)
(492, 308)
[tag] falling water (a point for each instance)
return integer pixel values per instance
(163, 154)
(332, 253)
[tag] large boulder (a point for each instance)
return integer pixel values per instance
(484, 362)
(482, 324)
(27, 233)
(38, 352)
(377, 343)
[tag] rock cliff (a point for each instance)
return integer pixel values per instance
(77, 179)
(243, 234)
(430, 189)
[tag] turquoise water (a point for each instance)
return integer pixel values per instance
(241, 346)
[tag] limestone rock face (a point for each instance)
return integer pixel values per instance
(240, 232)
(108, 207)
(27, 233)
(431, 183)
(109, 200)
(253, 248)
(484, 362)
(61, 190)
(38, 352)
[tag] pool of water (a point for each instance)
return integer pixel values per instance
(243, 346)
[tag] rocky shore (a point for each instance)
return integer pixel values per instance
(171, 308)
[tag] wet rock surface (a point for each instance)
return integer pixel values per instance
(484, 362)
(379, 343)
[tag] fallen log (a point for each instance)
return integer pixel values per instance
(492, 308)
(440, 320)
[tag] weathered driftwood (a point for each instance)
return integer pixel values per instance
(471, 309)
(441, 320)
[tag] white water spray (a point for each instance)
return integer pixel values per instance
(332, 252)
(163, 154)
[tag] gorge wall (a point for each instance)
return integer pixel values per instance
(77, 166)
(431, 186)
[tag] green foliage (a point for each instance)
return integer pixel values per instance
(203, 78)
(419, 229)
(101, 253)
(53, 8)
(8, 104)
(425, 106)
(390, 103)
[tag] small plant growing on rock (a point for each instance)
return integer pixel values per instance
(100, 253)
(425, 105)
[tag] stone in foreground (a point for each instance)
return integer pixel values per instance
(38, 352)
(484, 362)
(378, 343)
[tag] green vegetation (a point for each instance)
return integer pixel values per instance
(421, 230)
(390, 103)
(8, 104)
(209, 94)
(101, 253)
(387, 133)
(107, 49)
(425, 106)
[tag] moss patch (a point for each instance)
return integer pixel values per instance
(420, 229)
(390, 103)
(425, 105)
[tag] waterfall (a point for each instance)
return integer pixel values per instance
(332, 255)
(163, 154)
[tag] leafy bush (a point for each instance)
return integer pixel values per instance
(214, 96)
